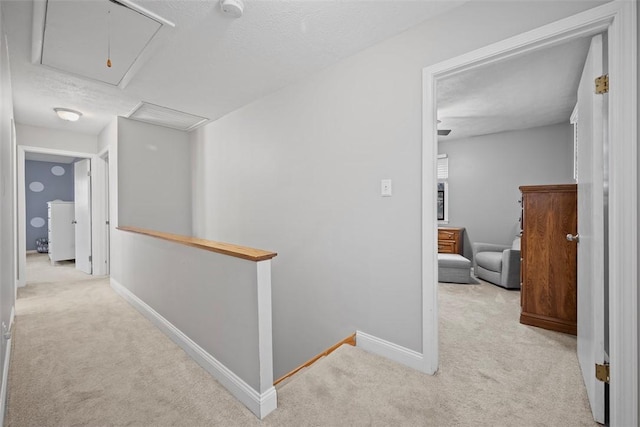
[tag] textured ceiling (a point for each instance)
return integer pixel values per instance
(209, 64)
(536, 89)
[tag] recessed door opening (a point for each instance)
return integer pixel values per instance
(56, 214)
(491, 128)
(619, 129)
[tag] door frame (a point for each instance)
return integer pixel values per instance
(618, 20)
(97, 201)
(102, 163)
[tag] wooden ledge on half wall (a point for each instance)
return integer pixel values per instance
(243, 252)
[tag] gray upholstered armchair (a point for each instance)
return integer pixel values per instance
(498, 264)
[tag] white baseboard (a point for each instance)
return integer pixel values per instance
(5, 369)
(391, 351)
(260, 404)
(32, 252)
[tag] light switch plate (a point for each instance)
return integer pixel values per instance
(385, 188)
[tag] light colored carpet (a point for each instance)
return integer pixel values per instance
(83, 356)
(40, 270)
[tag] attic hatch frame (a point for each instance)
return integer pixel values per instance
(39, 21)
(163, 116)
(618, 19)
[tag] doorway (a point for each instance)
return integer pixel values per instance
(617, 19)
(501, 135)
(94, 188)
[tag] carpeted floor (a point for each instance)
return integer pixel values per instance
(83, 356)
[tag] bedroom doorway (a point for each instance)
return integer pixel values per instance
(617, 19)
(95, 198)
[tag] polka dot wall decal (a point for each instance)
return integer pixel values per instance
(36, 186)
(37, 222)
(57, 170)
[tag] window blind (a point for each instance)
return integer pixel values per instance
(443, 166)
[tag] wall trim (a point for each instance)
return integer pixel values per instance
(261, 404)
(5, 369)
(20, 221)
(391, 351)
(350, 340)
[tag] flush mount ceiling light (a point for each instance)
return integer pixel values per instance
(67, 114)
(233, 8)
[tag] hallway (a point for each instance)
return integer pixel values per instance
(83, 356)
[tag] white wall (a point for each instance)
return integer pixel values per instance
(638, 228)
(108, 140)
(486, 171)
(214, 306)
(154, 177)
(7, 208)
(299, 172)
(35, 136)
(73, 143)
(106, 136)
(211, 298)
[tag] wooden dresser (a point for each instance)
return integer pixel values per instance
(549, 261)
(450, 240)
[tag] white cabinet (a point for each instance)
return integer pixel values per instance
(62, 245)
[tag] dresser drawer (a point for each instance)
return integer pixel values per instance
(447, 235)
(446, 247)
(450, 240)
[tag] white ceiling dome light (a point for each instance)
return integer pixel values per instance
(232, 8)
(67, 114)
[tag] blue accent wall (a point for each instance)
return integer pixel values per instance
(44, 182)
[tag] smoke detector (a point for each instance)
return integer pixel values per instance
(233, 8)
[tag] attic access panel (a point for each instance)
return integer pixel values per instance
(77, 36)
(168, 117)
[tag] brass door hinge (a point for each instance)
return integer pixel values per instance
(602, 372)
(602, 84)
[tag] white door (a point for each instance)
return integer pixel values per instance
(107, 241)
(82, 170)
(591, 310)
